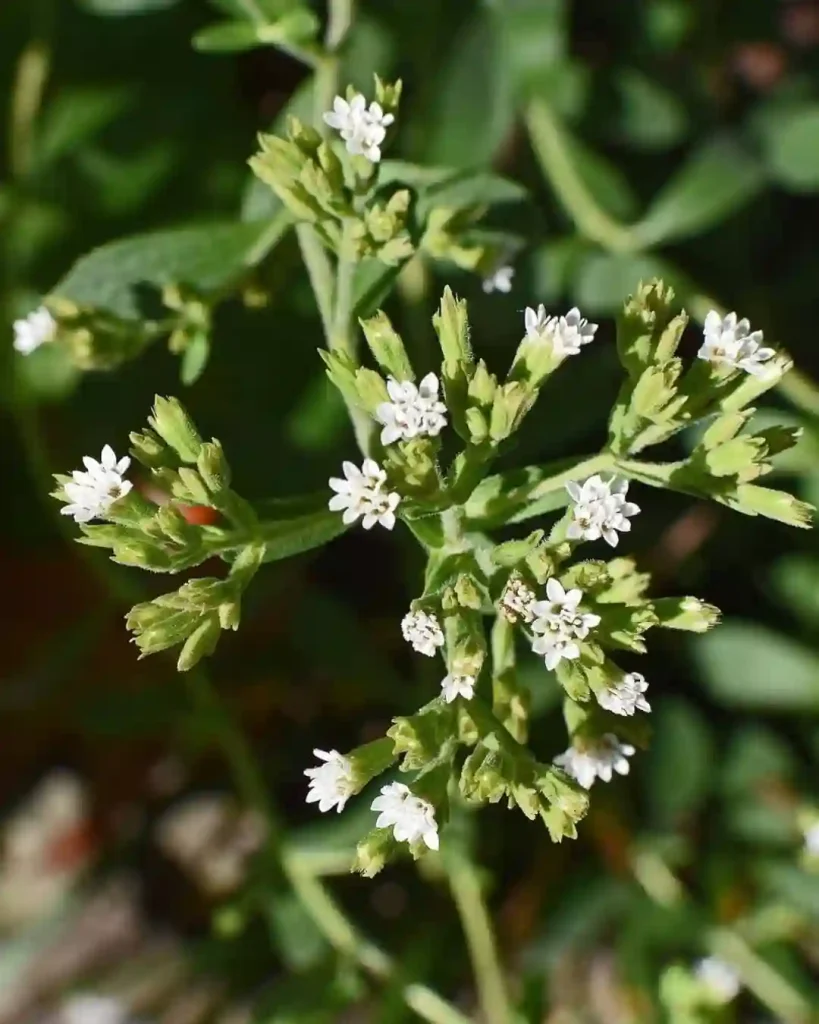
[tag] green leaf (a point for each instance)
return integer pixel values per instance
(75, 116)
(604, 280)
(124, 7)
(473, 112)
(680, 768)
(716, 181)
(297, 27)
(795, 579)
(745, 664)
(606, 182)
(287, 537)
(649, 116)
(791, 141)
(206, 258)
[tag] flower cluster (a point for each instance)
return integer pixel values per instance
(412, 411)
(361, 495)
(596, 760)
(568, 333)
(454, 686)
(559, 624)
(627, 696)
(331, 783)
(517, 601)
(731, 343)
(423, 632)
(363, 128)
(411, 818)
(600, 509)
(92, 491)
(38, 328)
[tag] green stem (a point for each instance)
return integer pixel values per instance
(552, 149)
(29, 85)
(320, 272)
(477, 925)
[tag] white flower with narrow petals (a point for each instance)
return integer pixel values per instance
(562, 609)
(500, 280)
(731, 343)
(627, 696)
(412, 411)
(598, 760)
(538, 323)
(571, 332)
(423, 632)
(92, 491)
(362, 128)
(411, 818)
(600, 509)
(38, 328)
(331, 783)
(361, 494)
(454, 686)
(555, 645)
(720, 978)
(517, 601)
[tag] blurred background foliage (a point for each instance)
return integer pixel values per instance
(672, 137)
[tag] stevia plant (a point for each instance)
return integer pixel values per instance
(427, 461)
(428, 450)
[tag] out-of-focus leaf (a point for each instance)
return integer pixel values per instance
(791, 141)
(319, 418)
(603, 281)
(195, 359)
(206, 257)
(123, 7)
(795, 579)
(123, 183)
(373, 282)
(716, 181)
(796, 887)
(604, 180)
(754, 757)
(48, 374)
(76, 115)
(650, 117)
(679, 772)
(295, 28)
(473, 113)
(554, 266)
(746, 664)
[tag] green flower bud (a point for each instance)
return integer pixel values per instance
(688, 613)
(419, 738)
(149, 450)
(213, 467)
(374, 851)
(175, 427)
(200, 644)
(370, 760)
(512, 552)
(387, 347)
(452, 327)
(189, 487)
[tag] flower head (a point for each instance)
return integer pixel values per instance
(331, 782)
(627, 696)
(517, 600)
(559, 624)
(92, 491)
(600, 509)
(571, 332)
(722, 979)
(361, 494)
(35, 330)
(596, 760)
(500, 280)
(537, 322)
(363, 128)
(454, 686)
(410, 817)
(730, 342)
(413, 411)
(423, 631)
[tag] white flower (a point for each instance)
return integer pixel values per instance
(812, 840)
(92, 491)
(559, 623)
(92, 1009)
(410, 817)
(555, 646)
(38, 328)
(454, 686)
(423, 631)
(331, 783)
(732, 343)
(362, 494)
(571, 332)
(413, 411)
(721, 978)
(627, 696)
(500, 280)
(596, 761)
(517, 600)
(363, 128)
(600, 509)
(538, 323)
